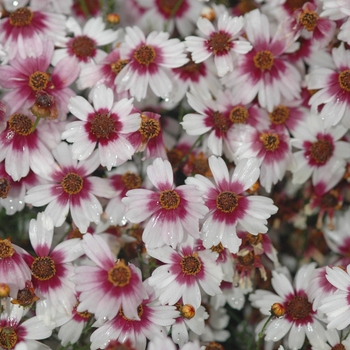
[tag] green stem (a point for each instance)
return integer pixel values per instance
(35, 123)
(347, 334)
(261, 334)
(84, 8)
(172, 14)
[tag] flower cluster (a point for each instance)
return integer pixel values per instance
(168, 168)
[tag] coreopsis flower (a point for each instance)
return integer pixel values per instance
(149, 58)
(26, 77)
(172, 212)
(109, 286)
(23, 31)
(14, 271)
(184, 271)
(71, 189)
(82, 48)
(229, 208)
(299, 318)
(159, 343)
(334, 89)
(224, 43)
(320, 150)
(264, 71)
(150, 323)
(106, 125)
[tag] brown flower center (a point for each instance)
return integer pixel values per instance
(220, 122)
(43, 268)
(214, 346)
(39, 80)
(25, 296)
(299, 308)
(139, 313)
(329, 200)
(309, 20)
(219, 42)
(102, 126)
(191, 264)
(247, 259)
(8, 338)
(344, 80)
(263, 60)
(169, 199)
(131, 180)
(217, 248)
(321, 151)
(338, 347)
(145, 55)
(200, 166)
(167, 6)
(149, 128)
(4, 187)
(190, 66)
(83, 46)
(270, 140)
(227, 201)
(72, 183)
(20, 124)
(118, 66)
(239, 115)
(21, 17)
(279, 115)
(245, 6)
(120, 274)
(6, 249)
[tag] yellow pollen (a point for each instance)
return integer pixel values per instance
(227, 201)
(39, 80)
(238, 115)
(119, 275)
(131, 180)
(217, 248)
(139, 313)
(6, 249)
(270, 140)
(214, 346)
(321, 151)
(72, 183)
(83, 46)
(8, 338)
(191, 264)
(20, 124)
(145, 55)
(169, 199)
(149, 128)
(344, 80)
(309, 20)
(279, 115)
(21, 17)
(102, 126)
(263, 60)
(219, 42)
(43, 268)
(118, 66)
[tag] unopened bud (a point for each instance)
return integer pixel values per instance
(4, 290)
(113, 18)
(277, 310)
(187, 311)
(208, 13)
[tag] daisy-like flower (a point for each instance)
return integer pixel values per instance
(229, 209)
(185, 270)
(149, 59)
(72, 189)
(320, 150)
(334, 89)
(161, 343)
(24, 29)
(150, 323)
(25, 78)
(106, 125)
(15, 334)
(52, 270)
(14, 271)
(265, 70)
(299, 318)
(222, 43)
(109, 286)
(172, 212)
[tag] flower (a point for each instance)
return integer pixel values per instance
(172, 212)
(229, 208)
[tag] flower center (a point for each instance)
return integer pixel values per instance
(191, 264)
(26, 296)
(299, 308)
(118, 66)
(217, 248)
(6, 249)
(238, 115)
(167, 6)
(102, 126)
(263, 60)
(270, 140)
(21, 17)
(214, 346)
(8, 338)
(169, 199)
(200, 166)
(139, 313)
(338, 347)
(4, 187)
(119, 275)
(83, 46)
(20, 124)
(219, 42)
(227, 201)
(43, 268)
(309, 20)
(329, 200)
(145, 55)
(149, 128)
(245, 6)
(344, 80)
(131, 180)
(247, 259)
(279, 115)
(321, 151)
(39, 80)
(190, 66)
(220, 122)
(72, 183)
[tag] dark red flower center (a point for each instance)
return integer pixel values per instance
(145, 55)
(321, 151)
(263, 60)
(191, 264)
(83, 46)
(299, 308)
(219, 42)
(43, 268)
(72, 183)
(169, 199)
(227, 201)
(21, 17)
(102, 126)
(279, 115)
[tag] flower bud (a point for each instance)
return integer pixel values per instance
(277, 310)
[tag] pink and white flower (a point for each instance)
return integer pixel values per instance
(106, 125)
(173, 212)
(229, 208)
